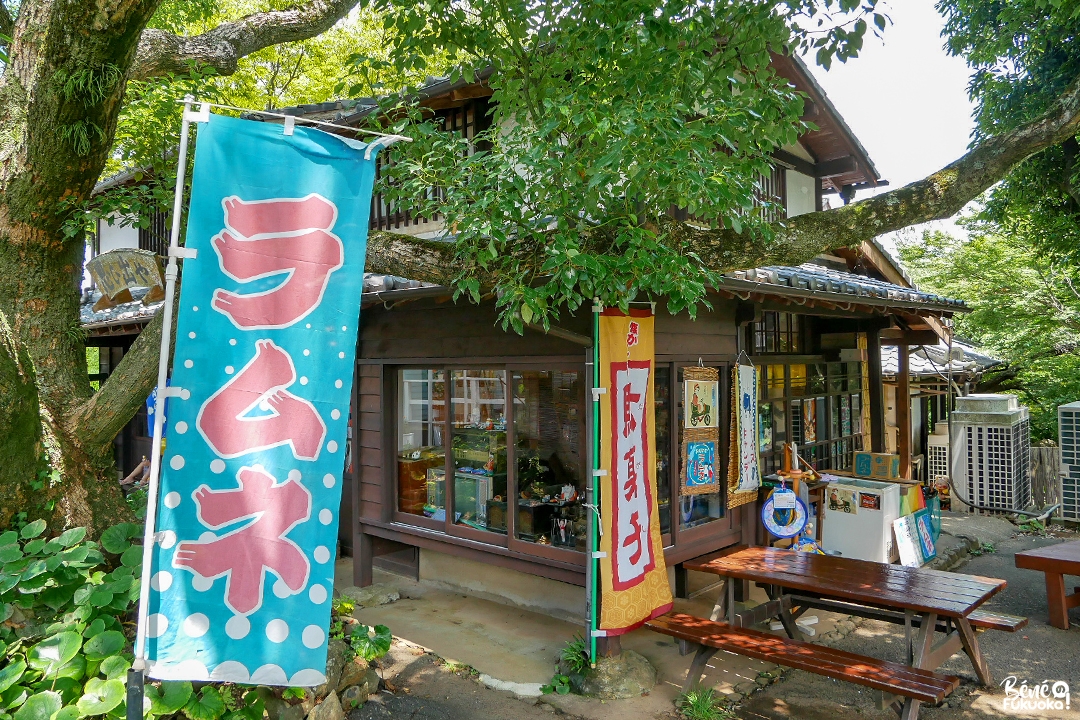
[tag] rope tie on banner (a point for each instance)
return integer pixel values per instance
(742, 354)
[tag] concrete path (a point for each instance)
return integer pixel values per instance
(1039, 652)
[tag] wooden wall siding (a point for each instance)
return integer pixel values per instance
(467, 120)
(714, 332)
(368, 431)
(432, 329)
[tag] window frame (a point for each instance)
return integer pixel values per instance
(509, 541)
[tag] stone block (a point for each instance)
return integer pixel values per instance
(329, 709)
(623, 676)
(371, 596)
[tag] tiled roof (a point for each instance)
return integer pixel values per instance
(810, 279)
(123, 314)
(933, 361)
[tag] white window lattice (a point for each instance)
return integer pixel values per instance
(997, 465)
(1068, 426)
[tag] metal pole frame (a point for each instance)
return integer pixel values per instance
(138, 669)
(592, 497)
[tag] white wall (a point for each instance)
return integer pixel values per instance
(116, 236)
(800, 194)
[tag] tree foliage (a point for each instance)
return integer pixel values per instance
(606, 116)
(1025, 310)
(1023, 54)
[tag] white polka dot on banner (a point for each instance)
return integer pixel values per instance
(229, 369)
(341, 354)
(196, 625)
(161, 581)
(325, 516)
(317, 594)
(281, 589)
(277, 631)
(201, 584)
(217, 466)
(295, 475)
(185, 394)
(177, 462)
(331, 446)
(232, 341)
(306, 352)
(303, 380)
(308, 326)
(335, 414)
(156, 625)
(172, 500)
(194, 308)
(328, 480)
(231, 671)
(191, 334)
(308, 677)
(167, 539)
(207, 537)
(344, 328)
(270, 675)
(237, 627)
(321, 554)
(337, 383)
(264, 406)
(189, 364)
(313, 636)
(180, 427)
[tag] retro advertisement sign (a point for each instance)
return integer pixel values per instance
(633, 574)
(243, 559)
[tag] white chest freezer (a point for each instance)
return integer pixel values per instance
(858, 519)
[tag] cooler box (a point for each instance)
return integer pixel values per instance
(858, 519)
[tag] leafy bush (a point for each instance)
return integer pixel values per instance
(575, 655)
(559, 684)
(67, 608)
(371, 643)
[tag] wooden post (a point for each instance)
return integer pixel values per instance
(363, 555)
(877, 399)
(903, 409)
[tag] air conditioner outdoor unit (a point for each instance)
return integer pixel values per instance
(991, 451)
(1069, 442)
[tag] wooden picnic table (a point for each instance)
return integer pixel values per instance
(1055, 562)
(929, 600)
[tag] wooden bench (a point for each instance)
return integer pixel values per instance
(1055, 562)
(987, 620)
(889, 677)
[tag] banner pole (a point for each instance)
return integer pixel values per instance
(136, 675)
(593, 497)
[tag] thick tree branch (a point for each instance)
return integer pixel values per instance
(104, 415)
(161, 53)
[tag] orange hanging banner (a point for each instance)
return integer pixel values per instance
(632, 571)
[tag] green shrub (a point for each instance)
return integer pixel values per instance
(702, 704)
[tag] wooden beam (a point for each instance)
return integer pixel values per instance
(877, 399)
(796, 163)
(903, 410)
(898, 336)
(837, 167)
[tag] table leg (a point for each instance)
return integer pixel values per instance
(971, 647)
(720, 608)
(786, 618)
(697, 667)
(1055, 600)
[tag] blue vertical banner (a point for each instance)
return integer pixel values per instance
(243, 559)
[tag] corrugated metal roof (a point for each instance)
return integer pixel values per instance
(123, 314)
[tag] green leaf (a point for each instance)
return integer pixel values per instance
(76, 669)
(54, 652)
(10, 553)
(169, 697)
(33, 530)
(34, 546)
(101, 696)
(114, 667)
(69, 712)
(40, 706)
(72, 536)
(117, 539)
(132, 557)
(11, 673)
(104, 644)
(371, 643)
(207, 706)
(14, 696)
(101, 597)
(70, 690)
